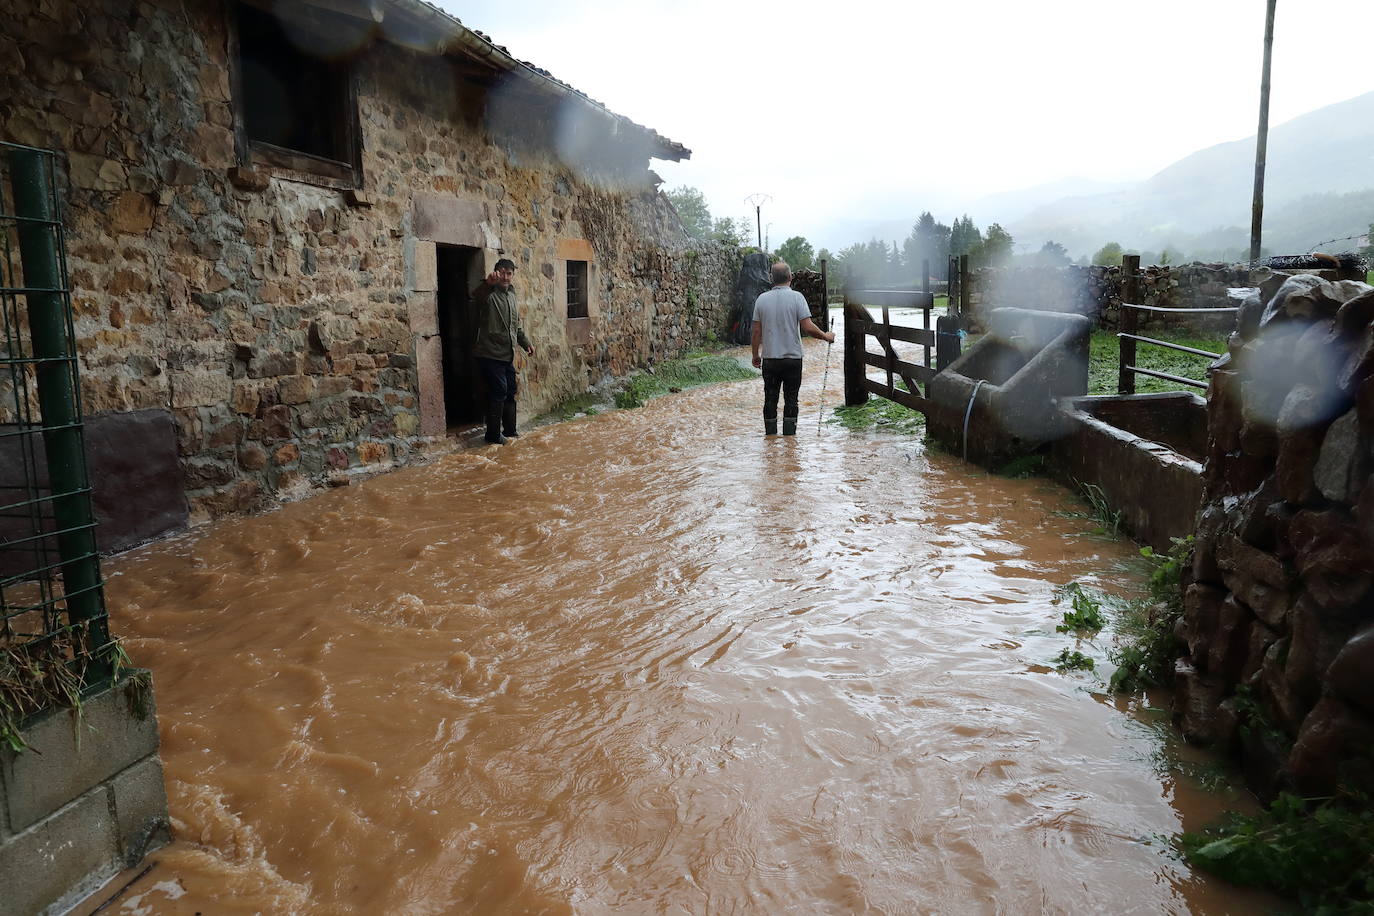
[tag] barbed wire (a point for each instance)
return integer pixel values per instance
(1348, 238)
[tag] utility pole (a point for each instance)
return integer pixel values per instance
(766, 239)
(1262, 140)
(757, 201)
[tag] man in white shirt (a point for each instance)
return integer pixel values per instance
(780, 317)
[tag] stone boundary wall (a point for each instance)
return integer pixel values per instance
(287, 325)
(82, 803)
(1096, 291)
(1279, 615)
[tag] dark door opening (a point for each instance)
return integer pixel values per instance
(460, 270)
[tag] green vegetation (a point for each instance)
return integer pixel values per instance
(697, 222)
(1104, 358)
(585, 403)
(1072, 660)
(33, 681)
(1317, 851)
(797, 252)
(881, 415)
(1099, 510)
(1145, 656)
(674, 375)
(1086, 613)
(1109, 255)
(36, 677)
(692, 210)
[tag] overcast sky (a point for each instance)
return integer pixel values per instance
(863, 111)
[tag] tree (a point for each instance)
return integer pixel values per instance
(1053, 254)
(1369, 251)
(736, 232)
(796, 251)
(964, 237)
(865, 264)
(1109, 255)
(997, 247)
(928, 242)
(691, 208)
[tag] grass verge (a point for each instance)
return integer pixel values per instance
(696, 369)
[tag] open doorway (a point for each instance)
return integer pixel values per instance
(460, 270)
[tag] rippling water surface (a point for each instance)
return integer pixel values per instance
(651, 662)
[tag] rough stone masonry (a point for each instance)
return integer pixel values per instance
(1279, 616)
(286, 321)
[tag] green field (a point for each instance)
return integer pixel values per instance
(1104, 355)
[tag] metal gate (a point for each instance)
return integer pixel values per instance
(54, 638)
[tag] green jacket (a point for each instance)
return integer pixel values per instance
(498, 323)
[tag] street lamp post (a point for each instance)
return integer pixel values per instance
(757, 201)
(1261, 141)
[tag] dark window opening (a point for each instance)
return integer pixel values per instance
(291, 100)
(577, 289)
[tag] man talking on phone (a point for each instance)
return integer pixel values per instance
(498, 332)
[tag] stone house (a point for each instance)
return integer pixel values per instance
(276, 211)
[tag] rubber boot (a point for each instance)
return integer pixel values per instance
(508, 420)
(789, 426)
(494, 428)
(770, 427)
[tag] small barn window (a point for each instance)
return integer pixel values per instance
(296, 109)
(577, 289)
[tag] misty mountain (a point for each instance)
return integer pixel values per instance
(1319, 185)
(1008, 206)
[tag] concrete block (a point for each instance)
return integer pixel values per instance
(140, 807)
(67, 757)
(59, 859)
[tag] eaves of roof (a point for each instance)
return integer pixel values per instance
(445, 32)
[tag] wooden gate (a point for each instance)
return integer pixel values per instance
(859, 325)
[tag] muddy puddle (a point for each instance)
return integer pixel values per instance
(652, 662)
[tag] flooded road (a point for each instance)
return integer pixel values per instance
(652, 662)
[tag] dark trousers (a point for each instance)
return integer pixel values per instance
(499, 377)
(787, 375)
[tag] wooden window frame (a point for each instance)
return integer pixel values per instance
(293, 164)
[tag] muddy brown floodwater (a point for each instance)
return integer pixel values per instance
(652, 662)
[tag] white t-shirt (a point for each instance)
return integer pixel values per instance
(781, 311)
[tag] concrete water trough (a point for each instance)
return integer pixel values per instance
(998, 400)
(1144, 453)
(1022, 389)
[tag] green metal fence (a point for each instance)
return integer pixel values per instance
(54, 638)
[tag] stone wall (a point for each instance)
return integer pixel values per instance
(1279, 617)
(1096, 291)
(288, 325)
